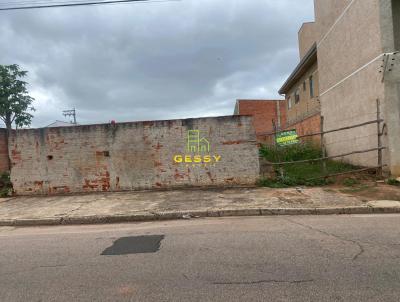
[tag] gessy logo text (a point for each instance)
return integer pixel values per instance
(197, 151)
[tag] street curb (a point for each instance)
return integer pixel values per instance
(155, 216)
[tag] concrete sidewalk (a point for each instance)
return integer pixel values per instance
(157, 205)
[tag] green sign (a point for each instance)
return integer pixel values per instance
(286, 138)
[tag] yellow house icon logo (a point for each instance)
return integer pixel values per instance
(195, 144)
(197, 151)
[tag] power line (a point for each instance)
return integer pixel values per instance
(12, 3)
(43, 4)
(35, 2)
(26, 4)
(70, 4)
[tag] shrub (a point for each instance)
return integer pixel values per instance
(393, 182)
(5, 185)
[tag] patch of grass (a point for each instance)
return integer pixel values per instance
(304, 174)
(350, 182)
(290, 153)
(271, 183)
(393, 182)
(5, 185)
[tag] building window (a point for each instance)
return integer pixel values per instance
(304, 86)
(297, 96)
(289, 102)
(311, 80)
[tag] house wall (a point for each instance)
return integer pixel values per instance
(306, 106)
(132, 156)
(389, 24)
(3, 151)
(307, 36)
(309, 125)
(349, 76)
(396, 23)
(326, 13)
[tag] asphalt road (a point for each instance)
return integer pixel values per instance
(313, 258)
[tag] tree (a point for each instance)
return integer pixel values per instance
(15, 102)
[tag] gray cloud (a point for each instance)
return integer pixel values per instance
(155, 60)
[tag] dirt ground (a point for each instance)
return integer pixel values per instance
(367, 188)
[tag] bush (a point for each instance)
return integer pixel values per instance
(393, 182)
(5, 185)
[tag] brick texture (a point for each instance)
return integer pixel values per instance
(263, 112)
(309, 125)
(3, 151)
(132, 156)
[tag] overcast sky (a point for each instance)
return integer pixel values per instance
(158, 60)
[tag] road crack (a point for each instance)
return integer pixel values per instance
(358, 244)
(264, 281)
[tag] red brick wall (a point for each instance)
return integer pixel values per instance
(3, 151)
(263, 112)
(309, 125)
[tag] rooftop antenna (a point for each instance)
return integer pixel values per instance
(70, 113)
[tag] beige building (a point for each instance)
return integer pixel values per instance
(301, 92)
(356, 44)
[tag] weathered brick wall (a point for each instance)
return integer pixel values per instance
(131, 156)
(3, 151)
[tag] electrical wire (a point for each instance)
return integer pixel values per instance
(26, 4)
(71, 4)
(37, 2)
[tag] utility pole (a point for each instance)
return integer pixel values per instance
(70, 113)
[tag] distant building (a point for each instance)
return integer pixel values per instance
(349, 58)
(302, 93)
(265, 114)
(60, 124)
